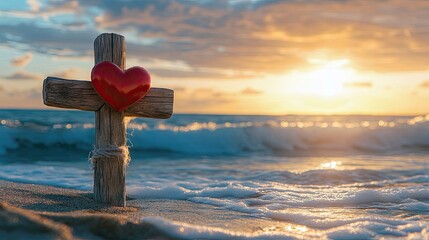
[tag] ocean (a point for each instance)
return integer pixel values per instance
(333, 177)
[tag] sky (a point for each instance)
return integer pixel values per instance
(231, 56)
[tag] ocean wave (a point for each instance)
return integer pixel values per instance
(226, 138)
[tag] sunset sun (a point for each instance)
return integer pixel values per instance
(328, 80)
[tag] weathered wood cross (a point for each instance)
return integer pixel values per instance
(110, 128)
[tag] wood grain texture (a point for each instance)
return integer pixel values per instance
(110, 127)
(77, 94)
(109, 172)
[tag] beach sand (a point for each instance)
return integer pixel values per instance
(44, 212)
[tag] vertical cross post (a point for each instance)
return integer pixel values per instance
(110, 127)
(110, 130)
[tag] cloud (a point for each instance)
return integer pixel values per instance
(23, 75)
(166, 73)
(209, 100)
(208, 93)
(178, 89)
(201, 73)
(424, 84)
(34, 5)
(22, 61)
(205, 97)
(68, 6)
(70, 73)
(75, 25)
(279, 35)
(250, 38)
(51, 8)
(251, 91)
(358, 84)
(56, 42)
(29, 94)
(22, 98)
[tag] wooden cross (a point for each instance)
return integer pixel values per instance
(110, 128)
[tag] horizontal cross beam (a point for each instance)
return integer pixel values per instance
(76, 94)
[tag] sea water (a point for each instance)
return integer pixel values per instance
(336, 177)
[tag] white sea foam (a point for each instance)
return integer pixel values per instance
(262, 167)
(56, 175)
(328, 210)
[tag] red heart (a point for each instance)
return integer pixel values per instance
(120, 89)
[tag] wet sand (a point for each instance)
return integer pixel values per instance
(44, 212)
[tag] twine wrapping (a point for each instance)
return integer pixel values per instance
(110, 151)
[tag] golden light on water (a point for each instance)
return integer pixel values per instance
(296, 228)
(330, 165)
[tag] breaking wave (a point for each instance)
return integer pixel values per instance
(228, 135)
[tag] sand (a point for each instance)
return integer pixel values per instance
(43, 212)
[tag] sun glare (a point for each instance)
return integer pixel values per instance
(330, 165)
(328, 80)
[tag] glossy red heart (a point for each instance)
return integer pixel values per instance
(120, 89)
